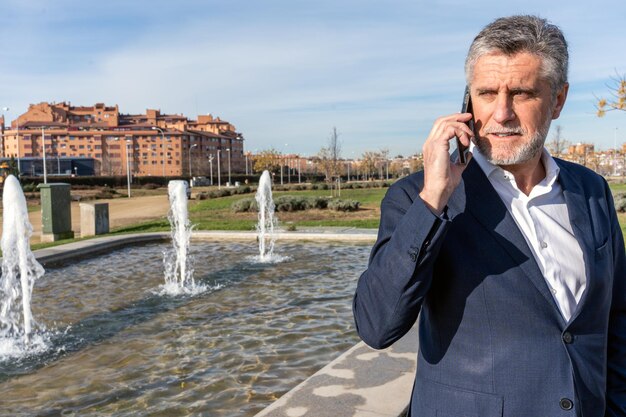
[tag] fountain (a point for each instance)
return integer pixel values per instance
(255, 332)
(20, 270)
(267, 221)
(122, 349)
(177, 262)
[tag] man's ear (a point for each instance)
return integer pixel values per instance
(561, 96)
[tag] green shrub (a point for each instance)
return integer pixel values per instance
(291, 203)
(106, 193)
(344, 205)
(30, 187)
(224, 192)
(244, 205)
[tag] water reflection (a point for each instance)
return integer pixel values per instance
(227, 352)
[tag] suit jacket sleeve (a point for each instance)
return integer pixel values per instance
(616, 350)
(390, 292)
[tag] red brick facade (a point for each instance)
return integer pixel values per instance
(156, 144)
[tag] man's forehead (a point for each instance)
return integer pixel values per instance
(521, 68)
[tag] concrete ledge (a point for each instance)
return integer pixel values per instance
(362, 382)
(92, 247)
(351, 235)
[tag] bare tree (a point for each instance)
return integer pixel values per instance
(618, 101)
(558, 145)
(329, 157)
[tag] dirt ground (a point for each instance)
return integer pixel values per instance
(122, 212)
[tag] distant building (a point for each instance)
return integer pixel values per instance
(581, 149)
(150, 144)
(55, 166)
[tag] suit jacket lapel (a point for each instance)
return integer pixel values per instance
(477, 196)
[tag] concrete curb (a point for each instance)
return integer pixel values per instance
(315, 235)
(98, 245)
(362, 382)
(92, 247)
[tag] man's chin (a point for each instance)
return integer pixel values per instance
(500, 157)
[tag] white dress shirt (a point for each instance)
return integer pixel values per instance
(543, 219)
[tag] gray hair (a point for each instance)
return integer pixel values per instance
(515, 34)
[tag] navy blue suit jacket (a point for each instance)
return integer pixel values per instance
(491, 339)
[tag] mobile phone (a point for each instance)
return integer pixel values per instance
(463, 150)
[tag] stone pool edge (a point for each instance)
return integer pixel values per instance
(98, 245)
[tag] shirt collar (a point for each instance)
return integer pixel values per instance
(552, 169)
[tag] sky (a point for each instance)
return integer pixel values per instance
(286, 72)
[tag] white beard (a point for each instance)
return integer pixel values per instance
(519, 154)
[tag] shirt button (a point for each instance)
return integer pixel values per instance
(568, 337)
(566, 404)
(544, 245)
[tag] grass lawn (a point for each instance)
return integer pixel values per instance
(216, 214)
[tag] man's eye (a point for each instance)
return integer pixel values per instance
(523, 95)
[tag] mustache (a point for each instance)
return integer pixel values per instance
(505, 130)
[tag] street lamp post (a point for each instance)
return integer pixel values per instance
(163, 146)
(43, 145)
(246, 155)
(128, 144)
(299, 169)
(211, 167)
(229, 180)
(190, 148)
(219, 174)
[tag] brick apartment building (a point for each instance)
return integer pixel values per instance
(151, 144)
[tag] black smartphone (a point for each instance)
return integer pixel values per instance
(465, 108)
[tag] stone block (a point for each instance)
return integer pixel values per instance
(94, 219)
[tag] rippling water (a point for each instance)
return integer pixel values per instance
(120, 348)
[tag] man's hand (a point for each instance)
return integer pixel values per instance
(441, 176)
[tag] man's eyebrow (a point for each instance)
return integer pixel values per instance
(527, 90)
(486, 90)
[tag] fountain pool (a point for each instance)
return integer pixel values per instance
(122, 348)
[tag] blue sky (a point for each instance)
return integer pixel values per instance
(285, 72)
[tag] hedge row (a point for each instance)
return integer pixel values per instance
(225, 192)
(297, 203)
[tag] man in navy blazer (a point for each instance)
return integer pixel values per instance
(514, 262)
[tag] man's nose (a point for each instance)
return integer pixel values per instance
(503, 111)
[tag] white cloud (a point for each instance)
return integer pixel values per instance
(285, 73)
